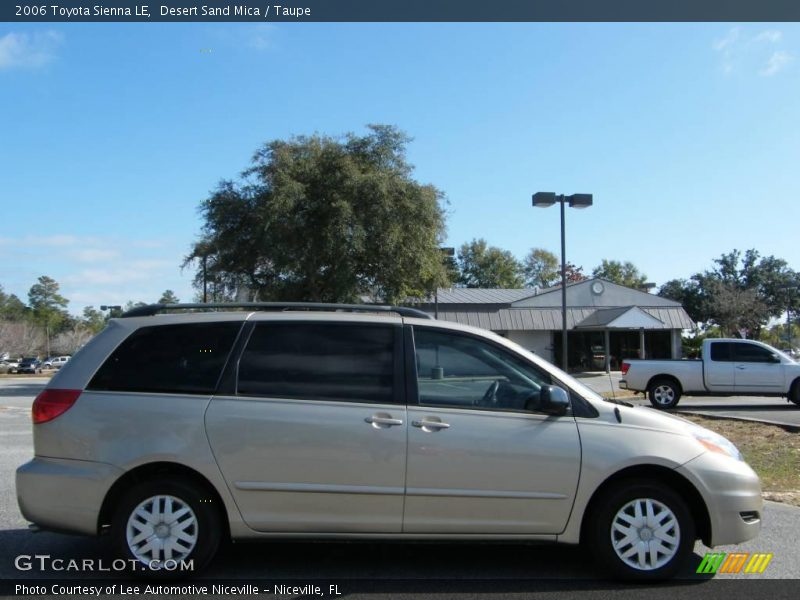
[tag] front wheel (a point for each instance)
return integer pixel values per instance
(166, 528)
(642, 531)
(664, 394)
(794, 394)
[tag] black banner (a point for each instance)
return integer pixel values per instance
(398, 10)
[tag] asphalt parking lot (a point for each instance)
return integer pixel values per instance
(777, 411)
(440, 567)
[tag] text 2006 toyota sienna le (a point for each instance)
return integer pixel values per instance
(173, 431)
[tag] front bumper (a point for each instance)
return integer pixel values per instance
(63, 494)
(732, 493)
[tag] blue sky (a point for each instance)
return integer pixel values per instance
(110, 135)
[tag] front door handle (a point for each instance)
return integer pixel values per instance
(385, 420)
(741, 367)
(427, 425)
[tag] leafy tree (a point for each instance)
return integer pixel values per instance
(691, 294)
(574, 274)
(484, 266)
(318, 218)
(168, 297)
(47, 305)
(737, 311)
(11, 307)
(130, 304)
(623, 273)
(93, 320)
(542, 268)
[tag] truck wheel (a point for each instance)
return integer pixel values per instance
(641, 530)
(664, 394)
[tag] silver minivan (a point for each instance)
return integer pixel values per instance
(170, 432)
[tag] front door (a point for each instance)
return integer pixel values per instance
(481, 458)
(314, 439)
(757, 370)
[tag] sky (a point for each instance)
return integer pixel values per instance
(687, 135)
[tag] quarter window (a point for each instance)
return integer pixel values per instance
(319, 362)
(464, 372)
(181, 359)
(721, 352)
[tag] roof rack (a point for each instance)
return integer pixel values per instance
(153, 309)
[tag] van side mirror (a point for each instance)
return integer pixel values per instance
(553, 400)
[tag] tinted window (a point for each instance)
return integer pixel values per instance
(465, 372)
(721, 352)
(186, 358)
(753, 353)
(319, 362)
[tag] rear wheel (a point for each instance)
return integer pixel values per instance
(664, 393)
(163, 524)
(642, 531)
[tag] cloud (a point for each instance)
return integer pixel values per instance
(29, 51)
(777, 62)
(93, 255)
(752, 52)
(262, 36)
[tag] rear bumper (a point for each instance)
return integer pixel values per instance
(64, 494)
(732, 493)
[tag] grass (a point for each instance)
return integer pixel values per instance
(772, 451)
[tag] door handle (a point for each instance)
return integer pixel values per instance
(383, 420)
(426, 424)
(740, 367)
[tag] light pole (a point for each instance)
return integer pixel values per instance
(543, 200)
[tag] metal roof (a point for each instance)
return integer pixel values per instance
(482, 295)
(549, 319)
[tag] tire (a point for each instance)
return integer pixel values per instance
(794, 393)
(193, 536)
(664, 394)
(654, 551)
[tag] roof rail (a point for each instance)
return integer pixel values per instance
(151, 309)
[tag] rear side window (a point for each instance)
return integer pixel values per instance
(181, 359)
(721, 352)
(320, 361)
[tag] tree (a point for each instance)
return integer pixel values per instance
(11, 307)
(93, 320)
(168, 297)
(484, 266)
(318, 218)
(622, 273)
(47, 305)
(542, 268)
(574, 274)
(691, 294)
(737, 311)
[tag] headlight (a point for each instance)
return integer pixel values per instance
(715, 442)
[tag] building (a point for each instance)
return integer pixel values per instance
(606, 322)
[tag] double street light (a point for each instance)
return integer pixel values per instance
(543, 200)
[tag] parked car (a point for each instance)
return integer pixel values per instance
(169, 432)
(11, 364)
(728, 367)
(30, 365)
(55, 362)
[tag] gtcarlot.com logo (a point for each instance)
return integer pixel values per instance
(735, 562)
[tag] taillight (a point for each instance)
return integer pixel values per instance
(625, 367)
(49, 404)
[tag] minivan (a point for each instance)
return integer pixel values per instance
(173, 431)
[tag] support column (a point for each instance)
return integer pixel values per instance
(675, 336)
(607, 343)
(642, 352)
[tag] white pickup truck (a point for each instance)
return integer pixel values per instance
(728, 367)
